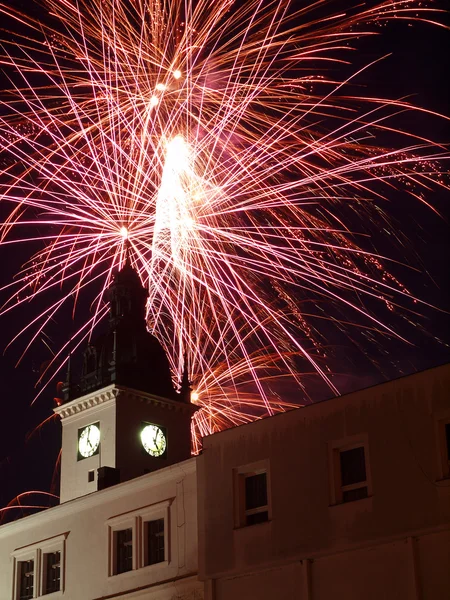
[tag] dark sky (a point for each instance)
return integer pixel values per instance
(418, 68)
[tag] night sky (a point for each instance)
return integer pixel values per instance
(419, 69)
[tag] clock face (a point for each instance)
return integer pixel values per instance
(154, 440)
(89, 440)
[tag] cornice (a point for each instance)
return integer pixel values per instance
(121, 490)
(88, 401)
(175, 405)
(111, 393)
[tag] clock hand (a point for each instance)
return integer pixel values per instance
(92, 440)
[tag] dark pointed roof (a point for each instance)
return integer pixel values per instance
(127, 354)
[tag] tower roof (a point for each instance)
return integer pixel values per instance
(127, 354)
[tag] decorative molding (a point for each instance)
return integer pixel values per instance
(88, 401)
(113, 392)
(169, 404)
(45, 543)
(144, 511)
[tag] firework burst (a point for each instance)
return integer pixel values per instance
(220, 146)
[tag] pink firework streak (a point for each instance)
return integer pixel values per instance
(219, 145)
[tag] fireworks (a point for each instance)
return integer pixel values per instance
(19, 503)
(219, 145)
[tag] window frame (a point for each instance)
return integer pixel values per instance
(125, 544)
(116, 524)
(21, 562)
(161, 510)
(137, 520)
(441, 420)
(145, 537)
(335, 450)
(47, 547)
(240, 475)
(37, 552)
(45, 592)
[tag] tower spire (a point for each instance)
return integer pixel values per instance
(127, 353)
(68, 381)
(185, 385)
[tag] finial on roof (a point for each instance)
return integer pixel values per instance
(185, 386)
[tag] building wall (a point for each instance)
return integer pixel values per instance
(393, 544)
(121, 413)
(134, 408)
(74, 479)
(85, 523)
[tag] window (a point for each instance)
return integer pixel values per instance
(256, 510)
(447, 440)
(139, 539)
(52, 571)
(26, 579)
(122, 536)
(38, 568)
(91, 476)
(154, 542)
(443, 437)
(252, 504)
(124, 550)
(353, 474)
(349, 469)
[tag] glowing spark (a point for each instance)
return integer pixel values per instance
(251, 192)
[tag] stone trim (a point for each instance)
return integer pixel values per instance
(111, 393)
(89, 401)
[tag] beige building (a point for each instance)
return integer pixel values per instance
(345, 499)
(137, 539)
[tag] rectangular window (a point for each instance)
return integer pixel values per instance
(251, 485)
(155, 542)
(139, 538)
(353, 474)
(124, 550)
(447, 440)
(39, 568)
(256, 507)
(52, 572)
(443, 439)
(26, 579)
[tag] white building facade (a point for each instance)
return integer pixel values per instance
(103, 545)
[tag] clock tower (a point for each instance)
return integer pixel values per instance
(122, 417)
